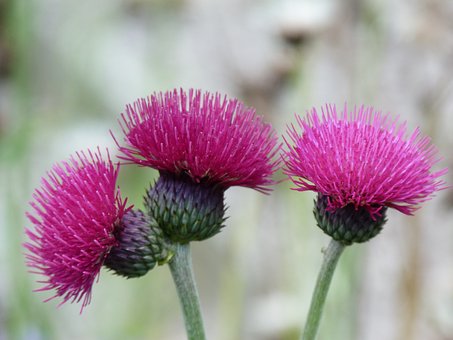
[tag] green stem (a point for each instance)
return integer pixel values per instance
(182, 273)
(331, 256)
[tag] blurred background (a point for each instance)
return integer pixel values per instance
(67, 70)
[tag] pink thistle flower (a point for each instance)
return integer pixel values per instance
(210, 138)
(362, 158)
(75, 213)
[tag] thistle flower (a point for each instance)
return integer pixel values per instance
(198, 139)
(364, 160)
(209, 138)
(75, 213)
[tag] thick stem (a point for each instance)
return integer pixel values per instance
(331, 256)
(182, 273)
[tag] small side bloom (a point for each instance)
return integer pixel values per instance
(74, 213)
(362, 158)
(210, 138)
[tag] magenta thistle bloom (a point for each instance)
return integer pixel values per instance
(75, 213)
(362, 159)
(210, 138)
(202, 144)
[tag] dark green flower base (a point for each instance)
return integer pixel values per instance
(141, 245)
(348, 225)
(186, 211)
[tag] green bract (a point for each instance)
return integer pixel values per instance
(186, 211)
(348, 224)
(141, 245)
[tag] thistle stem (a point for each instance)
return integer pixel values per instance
(182, 273)
(331, 256)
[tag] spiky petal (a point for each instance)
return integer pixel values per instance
(74, 215)
(211, 138)
(362, 158)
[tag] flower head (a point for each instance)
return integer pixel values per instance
(208, 137)
(74, 215)
(362, 158)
